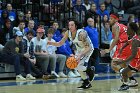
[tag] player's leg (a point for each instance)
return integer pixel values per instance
(90, 71)
(132, 81)
(82, 71)
(134, 65)
(125, 77)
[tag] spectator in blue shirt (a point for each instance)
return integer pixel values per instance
(102, 11)
(12, 14)
(30, 27)
(93, 35)
(57, 33)
(66, 50)
(106, 36)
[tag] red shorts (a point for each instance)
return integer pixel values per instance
(135, 63)
(125, 53)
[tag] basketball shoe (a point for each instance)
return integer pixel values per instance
(123, 87)
(85, 85)
(133, 83)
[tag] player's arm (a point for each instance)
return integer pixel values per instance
(86, 42)
(134, 50)
(115, 31)
(61, 42)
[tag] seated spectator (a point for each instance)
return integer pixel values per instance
(79, 11)
(12, 14)
(66, 50)
(96, 3)
(102, 11)
(109, 6)
(13, 50)
(105, 19)
(20, 27)
(57, 32)
(91, 13)
(86, 4)
(6, 32)
(132, 6)
(42, 58)
(31, 24)
(106, 36)
(132, 18)
(28, 17)
(20, 17)
(53, 56)
(29, 49)
(4, 17)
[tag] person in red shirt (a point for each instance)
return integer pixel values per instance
(120, 37)
(133, 59)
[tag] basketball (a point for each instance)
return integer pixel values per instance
(71, 62)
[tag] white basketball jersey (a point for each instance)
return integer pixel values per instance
(79, 44)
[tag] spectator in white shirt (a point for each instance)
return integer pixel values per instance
(53, 57)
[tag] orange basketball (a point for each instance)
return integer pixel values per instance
(71, 62)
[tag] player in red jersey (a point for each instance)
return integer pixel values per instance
(134, 58)
(120, 37)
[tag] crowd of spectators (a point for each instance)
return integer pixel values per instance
(94, 18)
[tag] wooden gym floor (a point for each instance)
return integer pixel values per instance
(103, 83)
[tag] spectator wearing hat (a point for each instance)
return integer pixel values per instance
(13, 50)
(20, 17)
(42, 58)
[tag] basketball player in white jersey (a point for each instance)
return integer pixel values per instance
(84, 49)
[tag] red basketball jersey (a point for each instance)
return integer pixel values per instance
(123, 38)
(135, 63)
